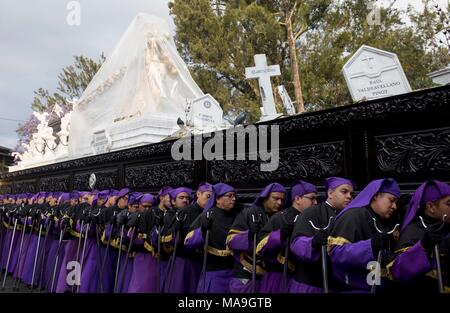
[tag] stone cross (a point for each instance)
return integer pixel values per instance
(263, 73)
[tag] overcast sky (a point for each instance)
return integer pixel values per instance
(36, 43)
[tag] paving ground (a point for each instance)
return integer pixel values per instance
(10, 283)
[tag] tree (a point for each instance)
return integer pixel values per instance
(298, 17)
(219, 44)
(344, 29)
(73, 80)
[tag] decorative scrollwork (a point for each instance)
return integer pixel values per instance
(413, 153)
(155, 175)
(304, 161)
(58, 183)
(25, 186)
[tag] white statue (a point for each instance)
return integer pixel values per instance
(63, 134)
(43, 140)
(58, 110)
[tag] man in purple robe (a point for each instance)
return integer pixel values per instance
(274, 237)
(73, 242)
(89, 280)
(307, 242)
(184, 265)
(243, 234)
(216, 220)
(153, 221)
(143, 277)
(361, 234)
(426, 224)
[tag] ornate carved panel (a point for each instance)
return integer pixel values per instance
(416, 103)
(106, 179)
(6, 187)
(155, 175)
(25, 186)
(56, 183)
(316, 161)
(107, 158)
(414, 152)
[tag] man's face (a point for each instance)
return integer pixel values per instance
(144, 206)
(384, 204)
(122, 202)
(73, 201)
(203, 197)
(340, 196)
(165, 201)
(52, 201)
(100, 202)
(303, 202)
(441, 208)
(111, 201)
(86, 198)
(227, 201)
(181, 200)
(274, 202)
(133, 207)
(40, 200)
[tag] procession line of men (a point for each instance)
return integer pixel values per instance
(182, 241)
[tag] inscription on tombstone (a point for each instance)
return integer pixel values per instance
(373, 73)
(100, 143)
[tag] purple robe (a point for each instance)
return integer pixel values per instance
(216, 282)
(412, 263)
(296, 287)
(185, 276)
(239, 285)
(144, 275)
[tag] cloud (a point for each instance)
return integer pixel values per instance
(37, 42)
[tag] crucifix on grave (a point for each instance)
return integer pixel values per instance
(263, 73)
(368, 59)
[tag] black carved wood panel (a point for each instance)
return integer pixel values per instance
(426, 151)
(156, 175)
(307, 162)
(25, 186)
(406, 137)
(58, 183)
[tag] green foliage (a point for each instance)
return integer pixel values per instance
(218, 47)
(72, 81)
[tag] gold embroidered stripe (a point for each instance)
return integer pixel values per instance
(336, 241)
(217, 252)
(248, 266)
(189, 236)
(262, 244)
(167, 238)
(280, 258)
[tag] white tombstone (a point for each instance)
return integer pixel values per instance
(373, 73)
(101, 143)
(442, 76)
(263, 73)
(205, 112)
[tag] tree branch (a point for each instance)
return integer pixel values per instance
(300, 32)
(293, 10)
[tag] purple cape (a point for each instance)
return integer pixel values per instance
(429, 191)
(364, 198)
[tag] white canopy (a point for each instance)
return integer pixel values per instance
(143, 75)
